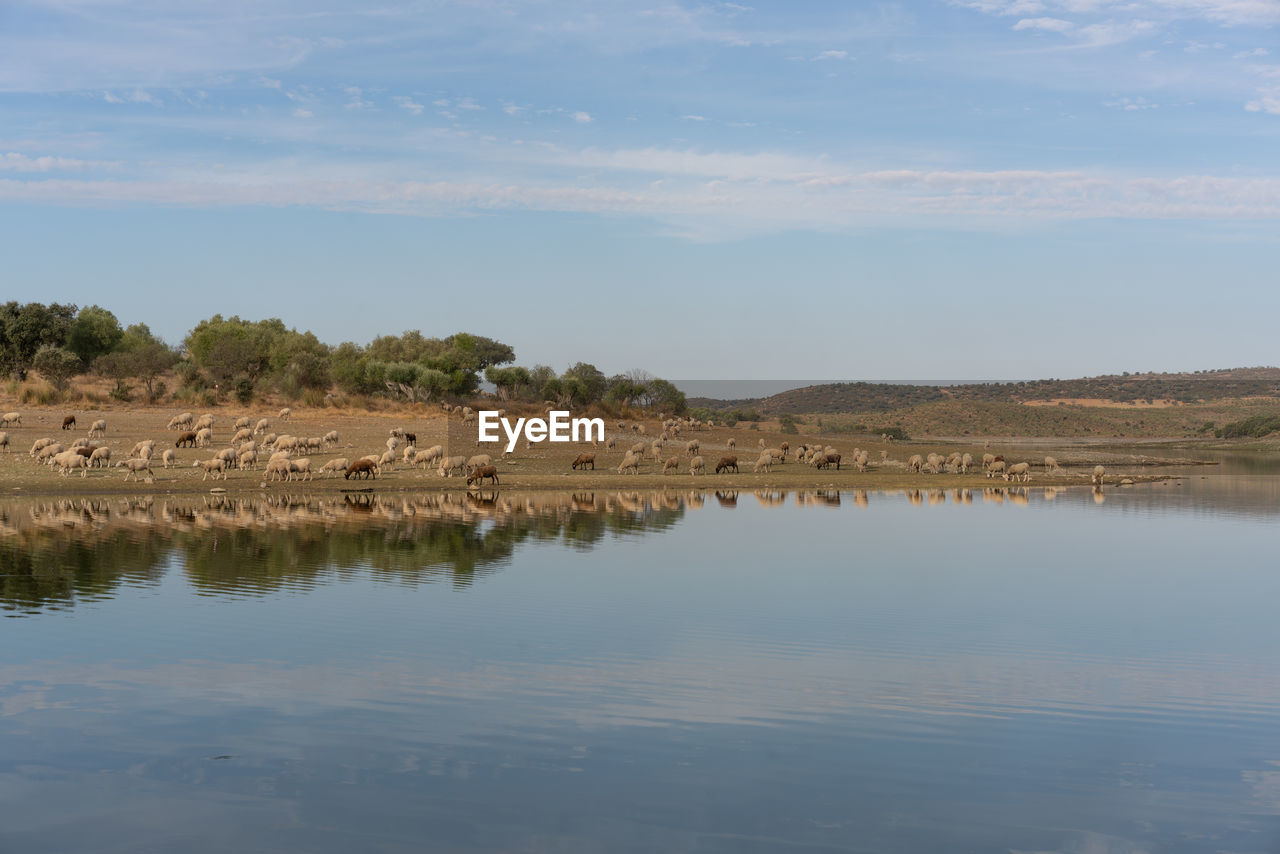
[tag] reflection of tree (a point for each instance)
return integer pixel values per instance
(58, 552)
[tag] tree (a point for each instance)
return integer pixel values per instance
(95, 332)
(507, 382)
(583, 383)
(27, 328)
(56, 365)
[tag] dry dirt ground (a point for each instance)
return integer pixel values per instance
(543, 466)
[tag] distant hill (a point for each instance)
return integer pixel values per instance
(858, 397)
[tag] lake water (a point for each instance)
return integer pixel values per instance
(939, 671)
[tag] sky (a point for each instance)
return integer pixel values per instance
(934, 189)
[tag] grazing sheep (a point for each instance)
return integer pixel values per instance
(697, 466)
(311, 443)
(861, 461)
(1051, 464)
(407, 455)
(204, 437)
(638, 448)
(448, 465)
(360, 467)
(216, 466)
(48, 452)
(480, 473)
(1099, 474)
(11, 419)
(84, 450)
(995, 468)
(1018, 471)
(915, 463)
(68, 422)
(132, 467)
(39, 445)
(248, 459)
(268, 441)
(732, 443)
(430, 455)
(610, 443)
(824, 461)
(300, 469)
(68, 460)
(691, 448)
(966, 460)
(98, 429)
(181, 422)
(630, 462)
(204, 422)
(80, 443)
(411, 438)
(170, 457)
(244, 434)
(262, 426)
(727, 463)
(277, 469)
(785, 447)
(241, 423)
(478, 460)
(281, 455)
(584, 460)
(330, 439)
(764, 463)
(100, 457)
(285, 414)
(387, 460)
(4, 441)
(336, 465)
(987, 460)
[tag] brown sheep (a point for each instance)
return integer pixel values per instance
(479, 473)
(368, 468)
(583, 461)
(68, 422)
(188, 438)
(828, 460)
(727, 463)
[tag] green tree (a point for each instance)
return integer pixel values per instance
(95, 332)
(583, 383)
(508, 382)
(56, 365)
(27, 328)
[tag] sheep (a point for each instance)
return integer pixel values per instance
(861, 460)
(277, 470)
(407, 455)
(228, 456)
(311, 443)
(285, 414)
(268, 441)
(966, 460)
(697, 465)
(301, 468)
(691, 448)
(11, 419)
(764, 462)
(987, 460)
(45, 454)
(915, 463)
(584, 460)
(4, 441)
(244, 434)
(216, 466)
(630, 462)
(100, 457)
(785, 447)
(84, 450)
(360, 467)
(732, 443)
(478, 460)
(204, 422)
(411, 438)
(262, 426)
(80, 443)
(335, 465)
(727, 463)
(392, 444)
(387, 460)
(430, 455)
(248, 459)
(610, 443)
(204, 437)
(995, 468)
(1018, 471)
(38, 445)
(68, 422)
(279, 455)
(638, 448)
(330, 439)
(68, 460)
(132, 467)
(481, 473)
(170, 457)
(180, 422)
(448, 465)
(1051, 464)
(1099, 474)
(827, 460)
(98, 428)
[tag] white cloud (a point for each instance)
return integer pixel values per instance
(16, 162)
(1131, 104)
(140, 96)
(409, 104)
(512, 109)
(300, 113)
(582, 117)
(831, 54)
(467, 104)
(1251, 54)
(694, 118)
(1268, 101)
(357, 101)
(1056, 25)
(111, 99)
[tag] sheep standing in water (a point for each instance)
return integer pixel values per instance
(1099, 474)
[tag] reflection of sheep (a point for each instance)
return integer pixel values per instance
(697, 466)
(584, 460)
(11, 419)
(1099, 474)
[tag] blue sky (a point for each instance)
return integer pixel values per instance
(965, 189)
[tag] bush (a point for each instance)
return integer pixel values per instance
(1249, 428)
(788, 425)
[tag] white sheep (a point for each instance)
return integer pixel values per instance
(68, 460)
(204, 437)
(697, 466)
(1099, 474)
(276, 469)
(181, 421)
(248, 459)
(285, 414)
(387, 460)
(337, 465)
(98, 428)
(672, 464)
(204, 422)
(330, 439)
(170, 457)
(11, 419)
(300, 469)
(478, 460)
(216, 466)
(1051, 464)
(244, 434)
(691, 448)
(262, 426)
(448, 465)
(765, 461)
(996, 468)
(48, 452)
(147, 445)
(39, 445)
(630, 462)
(132, 467)
(100, 457)
(732, 443)
(915, 463)
(1018, 471)
(430, 455)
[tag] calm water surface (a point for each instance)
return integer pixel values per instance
(887, 672)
